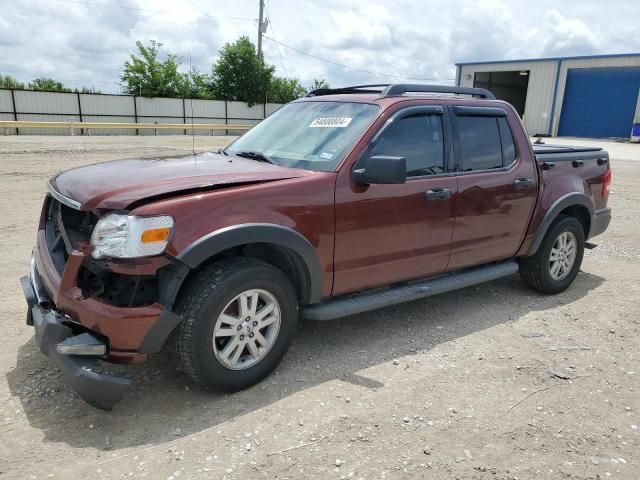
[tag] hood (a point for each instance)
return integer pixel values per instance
(118, 184)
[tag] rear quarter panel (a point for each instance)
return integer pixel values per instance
(561, 180)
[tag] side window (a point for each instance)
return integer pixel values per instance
(418, 138)
(508, 146)
(480, 143)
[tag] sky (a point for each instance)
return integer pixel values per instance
(86, 42)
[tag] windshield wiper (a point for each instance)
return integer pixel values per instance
(261, 157)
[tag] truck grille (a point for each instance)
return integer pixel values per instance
(65, 229)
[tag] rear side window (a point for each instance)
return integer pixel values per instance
(480, 143)
(418, 138)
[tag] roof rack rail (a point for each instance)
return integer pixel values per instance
(377, 88)
(399, 89)
(390, 90)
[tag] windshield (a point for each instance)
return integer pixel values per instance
(308, 135)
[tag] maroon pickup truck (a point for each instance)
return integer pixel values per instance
(342, 202)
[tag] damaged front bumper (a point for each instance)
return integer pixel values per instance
(54, 334)
(86, 312)
(77, 333)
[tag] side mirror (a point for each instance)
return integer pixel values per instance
(382, 169)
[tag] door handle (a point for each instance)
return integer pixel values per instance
(522, 183)
(438, 194)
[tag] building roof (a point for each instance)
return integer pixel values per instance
(547, 59)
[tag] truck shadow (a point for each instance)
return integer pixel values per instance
(163, 404)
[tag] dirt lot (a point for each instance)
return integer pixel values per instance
(454, 386)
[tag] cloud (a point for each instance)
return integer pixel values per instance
(86, 42)
(367, 28)
(569, 36)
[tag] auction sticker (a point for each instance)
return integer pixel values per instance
(330, 122)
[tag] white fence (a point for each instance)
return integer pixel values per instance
(27, 105)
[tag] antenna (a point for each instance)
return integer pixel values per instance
(193, 132)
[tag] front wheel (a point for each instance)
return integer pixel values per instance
(239, 317)
(557, 262)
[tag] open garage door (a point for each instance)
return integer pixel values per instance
(508, 86)
(599, 102)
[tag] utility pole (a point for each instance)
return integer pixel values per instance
(262, 28)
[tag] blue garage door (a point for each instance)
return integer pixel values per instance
(599, 102)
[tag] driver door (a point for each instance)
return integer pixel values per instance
(391, 233)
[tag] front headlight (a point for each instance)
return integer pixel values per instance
(126, 236)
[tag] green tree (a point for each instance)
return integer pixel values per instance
(318, 84)
(239, 74)
(7, 81)
(45, 84)
(198, 85)
(285, 90)
(147, 75)
(87, 90)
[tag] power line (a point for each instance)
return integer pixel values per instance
(284, 67)
(111, 5)
(353, 68)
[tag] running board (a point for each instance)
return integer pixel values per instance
(364, 302)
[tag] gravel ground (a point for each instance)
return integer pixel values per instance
(455, 386)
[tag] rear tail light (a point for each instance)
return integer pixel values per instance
(606, 185)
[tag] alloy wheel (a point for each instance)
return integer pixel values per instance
(246, 329)
(563, 255)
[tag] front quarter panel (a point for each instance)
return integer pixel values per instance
(305, 205)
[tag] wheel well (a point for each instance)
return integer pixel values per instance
(581, 214)
(283, 258)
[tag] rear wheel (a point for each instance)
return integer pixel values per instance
(557, 262)
(239, 317)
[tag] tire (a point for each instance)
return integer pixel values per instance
(213, 297)
(537, 271)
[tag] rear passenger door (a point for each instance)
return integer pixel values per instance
(496, 186)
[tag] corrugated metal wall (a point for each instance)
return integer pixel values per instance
(537, 111)
(6, 108)
(53, 106)
(110, 109)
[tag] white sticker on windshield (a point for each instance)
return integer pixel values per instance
(330, 122)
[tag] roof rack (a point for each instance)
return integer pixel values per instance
(373, 88)
(391, 90)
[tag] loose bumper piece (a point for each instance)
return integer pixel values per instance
(83, 344)
(57, 340)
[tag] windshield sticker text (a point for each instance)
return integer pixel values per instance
(330, 122)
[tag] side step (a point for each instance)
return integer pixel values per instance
(364, 302)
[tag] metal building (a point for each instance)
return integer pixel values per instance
(588, 96)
